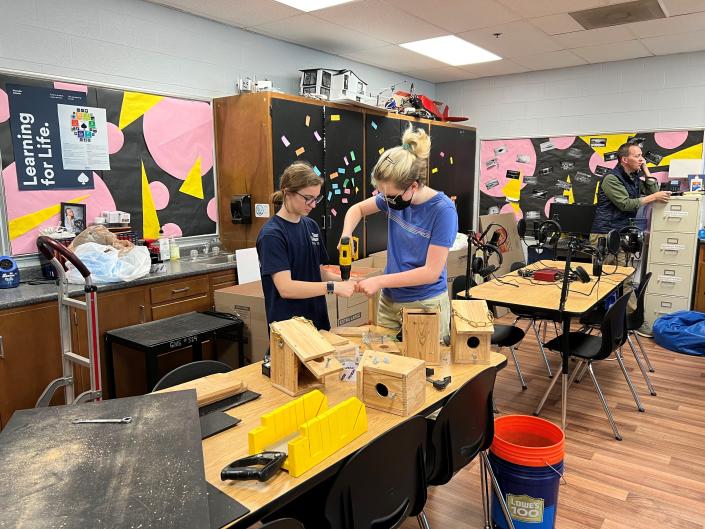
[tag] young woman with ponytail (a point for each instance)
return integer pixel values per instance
(292, 252)
(422, 225)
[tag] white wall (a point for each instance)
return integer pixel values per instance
(137, 44)
(666, 92)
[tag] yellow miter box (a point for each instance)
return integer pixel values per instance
(322, 431)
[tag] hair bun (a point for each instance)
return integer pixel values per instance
(418, 141)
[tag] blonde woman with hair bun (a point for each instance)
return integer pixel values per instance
(421, 228)
(292, 253)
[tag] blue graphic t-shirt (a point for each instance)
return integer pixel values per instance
(409, 235)
(299, 248)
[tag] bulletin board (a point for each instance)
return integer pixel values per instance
(525, 176)
(161, 153)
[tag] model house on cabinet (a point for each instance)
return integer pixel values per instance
(333, 85)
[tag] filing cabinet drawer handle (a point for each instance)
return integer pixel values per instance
(180, 290)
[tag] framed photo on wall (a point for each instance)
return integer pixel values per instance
(73, 217)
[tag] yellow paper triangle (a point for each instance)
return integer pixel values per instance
(569, 192)
(693, 152)
(134, 105)
(21, 225)
(614, 142)
(512, 189)
(193, 185)
(150, 220)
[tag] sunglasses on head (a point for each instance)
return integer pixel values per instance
(309, 200)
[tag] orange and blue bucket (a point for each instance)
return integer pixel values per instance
(527, 458)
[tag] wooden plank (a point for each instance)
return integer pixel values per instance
(303, 338)
(212, 388)
(475, 311)
(333, 338)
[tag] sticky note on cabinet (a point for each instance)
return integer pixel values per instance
(300, 151)
(434, 170)
(373, 124)
(317, 136)
(344, 200)
(357, 190)
(358, 168)
(333, 176)
(346, 191)
(333, 212)
(330, 195)
(341, 170)
(337, 191)
(317, 171)
(335, 117)
(352, 155)
(345, 182)
(334, 186)
(381, 150)
(308, 120)
(285, 141)
(451, 160)
(443, 155)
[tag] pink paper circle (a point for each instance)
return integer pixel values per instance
(4, 106)
(562, 142)
(116, 138)
(505, 161)
(596, 159)
(21, 203)
(212, 210)
(671, 140)
(508, 208)
(172, 230)
(547, 208)
(177, 132)
(160, 194)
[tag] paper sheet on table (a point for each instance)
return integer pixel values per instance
(247, 265)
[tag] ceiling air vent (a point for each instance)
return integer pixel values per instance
(616, 15)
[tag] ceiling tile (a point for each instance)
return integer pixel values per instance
(456, 16)
(548, 60)
(556, 24)
(441, 75)
(487, 69)
(517, 38)
(631, 49)
(381, 21)
(594, 37)
(681, 43)
(539, 8)
(682, 7)
(668, 26)
(393, 57)
(318, 34)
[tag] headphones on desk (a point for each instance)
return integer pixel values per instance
(547, 233)
(629, 239)
(580, 274)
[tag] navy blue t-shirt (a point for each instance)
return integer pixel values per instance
(299, 248)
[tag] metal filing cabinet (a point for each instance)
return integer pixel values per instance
(673, 249)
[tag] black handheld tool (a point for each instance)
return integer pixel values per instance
(260, 466)
(441, 383)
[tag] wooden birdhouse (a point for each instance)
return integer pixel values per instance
(421, 334)
(471, 331)
(301, 358)
(391, 383)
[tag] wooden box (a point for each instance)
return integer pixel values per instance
(421, 334)
(391, 383)
(471, 331)
(301, 357)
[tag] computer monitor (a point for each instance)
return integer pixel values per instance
(573, 218)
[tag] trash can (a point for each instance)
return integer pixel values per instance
(527, 458)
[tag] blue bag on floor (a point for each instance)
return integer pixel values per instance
(682, 331)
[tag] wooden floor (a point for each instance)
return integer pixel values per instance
(654, 478)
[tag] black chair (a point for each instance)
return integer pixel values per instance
(456, 437)
(191, 371)
(634, 321)
(383, 483)
(284, 523)
(503, 335)
(587, 349)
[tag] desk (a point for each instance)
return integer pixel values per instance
(525, 293)
(264, 498)
(161, 336)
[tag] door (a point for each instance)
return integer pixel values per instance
(452, 169)
(297, 134)
(344, 173)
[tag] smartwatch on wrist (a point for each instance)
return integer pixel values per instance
(330, 287)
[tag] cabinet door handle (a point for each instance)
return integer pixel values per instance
(142, 315)
(330, 221)
(324, 222)
(180, 290)
(2, 348)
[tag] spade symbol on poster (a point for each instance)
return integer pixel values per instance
(83, 179)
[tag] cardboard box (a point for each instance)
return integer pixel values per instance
(247, 302)
(355, 310)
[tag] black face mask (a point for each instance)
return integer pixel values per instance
(397, 203)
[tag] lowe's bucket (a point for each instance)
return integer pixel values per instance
(527, 458)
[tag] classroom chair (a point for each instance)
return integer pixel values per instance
(383, 483)
(463, 430)
(587, 349)
(191, 371)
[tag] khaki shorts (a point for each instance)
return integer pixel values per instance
(389, 312)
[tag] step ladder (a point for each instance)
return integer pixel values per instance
(50, 249)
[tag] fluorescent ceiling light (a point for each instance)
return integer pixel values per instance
(451, 50)
(312, 5)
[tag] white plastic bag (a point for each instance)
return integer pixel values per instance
(107, 265)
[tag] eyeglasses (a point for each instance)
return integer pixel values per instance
(310, 201)
(393, 199)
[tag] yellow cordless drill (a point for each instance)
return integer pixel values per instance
(347, 254)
